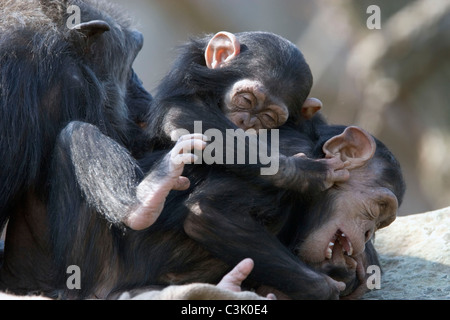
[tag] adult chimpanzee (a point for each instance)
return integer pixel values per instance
(51, 75)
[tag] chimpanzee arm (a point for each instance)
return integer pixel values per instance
(235, 235)
(291, 172)
(111, 181)
(354, 275)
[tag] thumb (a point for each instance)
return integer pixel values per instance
(233, 279)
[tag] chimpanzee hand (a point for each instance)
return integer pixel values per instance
(349, 270)
(166, 176)
(336, 171)
(356, 281)
(336, 287)
(316, 175)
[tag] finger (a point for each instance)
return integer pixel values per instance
(341, 285)
(360, 272)
(337, 284)
(350, 263)
(271, 296)
(184, 158)
(241, 271)
(336, 155)
(185, 146)
(181, 184)
(301, 155)
(233, 279)
(335, 162)
(341, 175)
(193, 136)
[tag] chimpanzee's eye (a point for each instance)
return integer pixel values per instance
(269, 119)
(246, 100)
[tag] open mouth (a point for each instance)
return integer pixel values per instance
(344, 244)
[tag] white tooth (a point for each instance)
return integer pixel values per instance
(329, 253)
(331, 244)
(350, 250)
(343, 235)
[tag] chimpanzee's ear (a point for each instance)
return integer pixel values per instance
(310, 107)
(92, 28)
(353, 145)
(222, 48)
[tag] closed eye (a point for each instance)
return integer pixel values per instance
(269, 119)
(244, 101)
(247, 101)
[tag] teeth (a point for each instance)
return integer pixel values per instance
(349, 245)
(350, 249)
(328, 253)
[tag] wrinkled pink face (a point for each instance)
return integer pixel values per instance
(249, 106)
(359, 209)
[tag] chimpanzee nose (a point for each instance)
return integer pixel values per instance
(249, 121)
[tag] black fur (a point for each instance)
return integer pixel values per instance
(51, 75)
(48, 77)
(201, 233)
(67, 211)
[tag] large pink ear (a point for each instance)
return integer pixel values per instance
(222, 48)
(353, 145)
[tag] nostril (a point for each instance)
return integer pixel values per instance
(240, 122)
(250, 122)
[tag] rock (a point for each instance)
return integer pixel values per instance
(415, 257)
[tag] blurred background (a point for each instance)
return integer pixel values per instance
(393, 82)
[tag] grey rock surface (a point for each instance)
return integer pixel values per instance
(415, 257)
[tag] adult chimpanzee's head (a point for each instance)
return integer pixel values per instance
(80, 71)
(109, 45)
(258, 79)
(346, 216)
